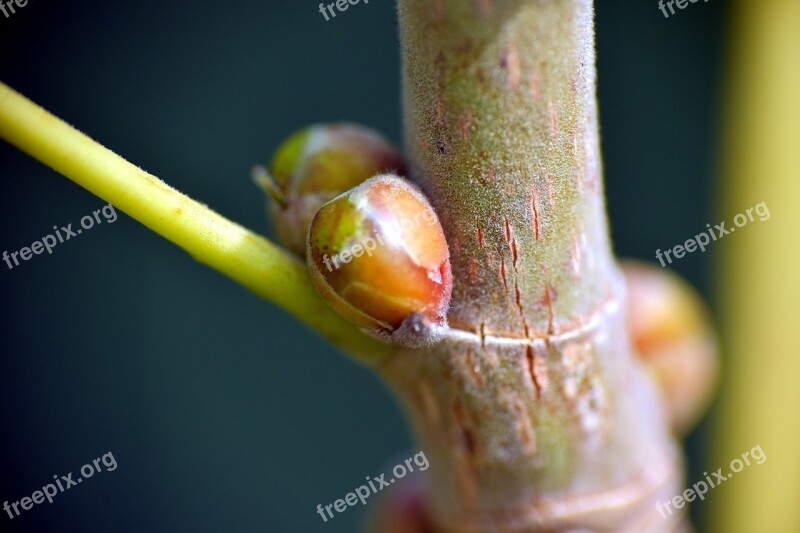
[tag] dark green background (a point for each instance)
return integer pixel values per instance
(223, 413)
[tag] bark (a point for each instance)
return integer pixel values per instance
(533, 412)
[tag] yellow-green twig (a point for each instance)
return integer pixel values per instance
(211, 239)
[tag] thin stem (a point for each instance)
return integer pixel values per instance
(264, 181)
(225, 246)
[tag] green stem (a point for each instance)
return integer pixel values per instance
(225, 246)
(532, 409)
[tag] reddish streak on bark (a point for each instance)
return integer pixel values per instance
(531, 358)
(465, 124)
(480, 237)
(514, 253)
(512, 246)
(525, 429)
(438, 10)
(551, 112)
(518, 299)
(533, 84)
(484, 7)
(472, 367)
(503, 273)
(535, 211)
(510, 62)
(576, 256)
(548, 301)
(473, 271)
(439, 114)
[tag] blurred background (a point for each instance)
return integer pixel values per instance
(222, 412)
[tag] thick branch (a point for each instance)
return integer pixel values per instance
(533, 410)
(501, 124)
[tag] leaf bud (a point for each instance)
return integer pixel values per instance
(378, 255)
(313, 166)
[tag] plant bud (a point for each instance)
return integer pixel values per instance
(313, 166)
(670, 329)
(378, 255)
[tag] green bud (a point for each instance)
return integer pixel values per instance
(313, 166)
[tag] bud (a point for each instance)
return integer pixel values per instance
(313, 166)
(670, 329)
(378, 255)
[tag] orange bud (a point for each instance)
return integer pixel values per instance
(379, 257)
(671, 332)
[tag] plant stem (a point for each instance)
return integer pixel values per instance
(533, 411)
(758, 290)
(247, 258)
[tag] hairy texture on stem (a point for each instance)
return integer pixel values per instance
(534, 412)
(210, 238)
(501, 122)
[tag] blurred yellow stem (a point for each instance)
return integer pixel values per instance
(225, 246)
(758, 279)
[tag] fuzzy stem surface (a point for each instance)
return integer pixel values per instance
(210, 238)
(534, 411)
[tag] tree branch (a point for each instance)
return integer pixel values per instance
(247, 258)
(532, 409)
